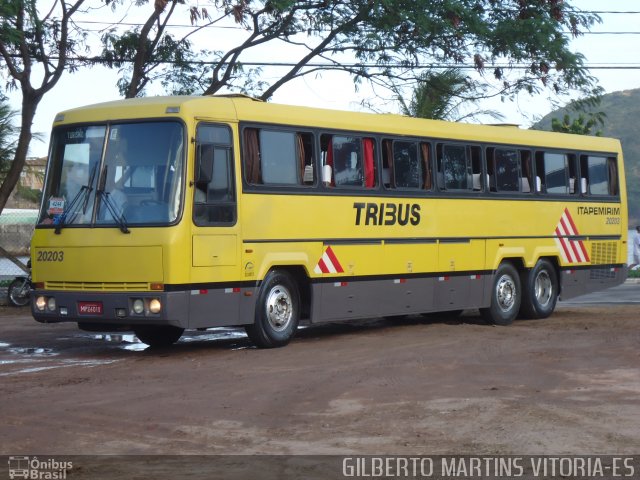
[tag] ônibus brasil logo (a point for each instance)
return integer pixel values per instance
(37, 469)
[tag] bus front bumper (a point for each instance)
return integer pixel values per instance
(117, 309)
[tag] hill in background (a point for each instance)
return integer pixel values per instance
(623, 122)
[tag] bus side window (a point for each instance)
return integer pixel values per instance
(407, 165)
(598, 175)
(507, 169)
(214, 192)
(276, 157)
(555, 167)
(348, 161)
(454, 167)
(552, 172)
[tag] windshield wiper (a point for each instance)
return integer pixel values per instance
(120, 219)
(104, 198)
(84, 193)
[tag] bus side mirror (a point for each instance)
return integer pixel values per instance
(204, 163)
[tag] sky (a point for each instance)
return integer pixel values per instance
(336, 90)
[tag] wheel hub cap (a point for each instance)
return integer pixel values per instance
(279, 308)
(506, 293)
(543, 288)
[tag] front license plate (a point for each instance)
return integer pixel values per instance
(90, 308)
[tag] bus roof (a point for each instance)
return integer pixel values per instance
(234, 108)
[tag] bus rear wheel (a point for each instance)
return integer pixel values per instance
(540, 290)
(505, 296)
(277, 311)
(158, 336)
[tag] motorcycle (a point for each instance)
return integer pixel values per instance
(19, 291)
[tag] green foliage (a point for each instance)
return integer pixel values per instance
(36, 50)
(29, 194)
(634, 273)
(580, 125)
(28, 38)
(444, 95)
(8, 135)
(391, 41)
(622, 110)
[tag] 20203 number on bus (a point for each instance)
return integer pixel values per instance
(171, 213)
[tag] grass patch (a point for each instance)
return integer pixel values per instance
(634, 273)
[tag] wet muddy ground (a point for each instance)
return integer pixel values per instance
(565, 385)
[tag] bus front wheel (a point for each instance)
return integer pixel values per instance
(157, 336)
(505, 296)
(539, 290)
(277, 311)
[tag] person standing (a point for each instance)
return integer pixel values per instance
(636, 249)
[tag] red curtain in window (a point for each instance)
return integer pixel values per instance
(369, 168)
(426, 165)
(253, 171)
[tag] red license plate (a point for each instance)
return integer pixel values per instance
(90, 308)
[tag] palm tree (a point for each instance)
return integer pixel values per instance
(442, 95)
(8, 137)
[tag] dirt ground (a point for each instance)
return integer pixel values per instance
(569, 384)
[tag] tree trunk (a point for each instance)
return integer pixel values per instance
(29, 106)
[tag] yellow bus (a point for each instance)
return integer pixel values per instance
(170, 213)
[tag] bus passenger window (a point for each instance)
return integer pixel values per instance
(407, 165)
(454, 168)
(598, 175)
(507, 170)
(551, 168)
(273, 157)
(348, 161)
(278, 158)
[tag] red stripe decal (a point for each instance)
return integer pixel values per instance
(334, 260)
(573, 225)
(322, 266)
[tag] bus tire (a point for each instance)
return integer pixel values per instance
(277, 311)
(506, 296)
(539, 290)
(158, 336)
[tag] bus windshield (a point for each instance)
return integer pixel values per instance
(117, 174)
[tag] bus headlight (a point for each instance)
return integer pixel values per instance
(155, 306)
(51, 304)
(41, 303)
(138, 306)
